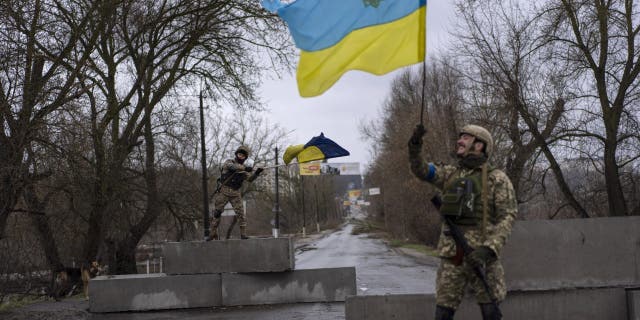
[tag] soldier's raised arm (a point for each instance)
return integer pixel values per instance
(427, 171)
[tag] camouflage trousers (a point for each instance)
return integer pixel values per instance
(220, 199)
(452, 282)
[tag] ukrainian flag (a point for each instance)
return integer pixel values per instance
(335, 36)
(318, 148)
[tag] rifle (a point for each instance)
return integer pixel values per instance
(461, 242)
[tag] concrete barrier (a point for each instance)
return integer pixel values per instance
(575, 253)
(250, 255)
(153, 292)
(390, 306)
(310, 285)
(633, 301)
(578, 304)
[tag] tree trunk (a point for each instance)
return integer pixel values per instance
(544, 146)
(617, 202)
(45, 235)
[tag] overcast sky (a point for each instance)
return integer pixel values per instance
(357, 96)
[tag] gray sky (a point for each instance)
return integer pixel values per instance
(357, 96)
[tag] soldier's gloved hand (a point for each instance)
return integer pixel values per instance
(248, 169)
(418, 133)
(415, 143)
(481, 256)
(259, 171)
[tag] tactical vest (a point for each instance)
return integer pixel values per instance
(462, 200)
(232, 180)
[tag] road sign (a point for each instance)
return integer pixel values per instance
(374, 191)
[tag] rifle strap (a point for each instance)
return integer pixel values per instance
(485, 201)
(225, 181)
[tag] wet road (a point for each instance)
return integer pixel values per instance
(379, 270)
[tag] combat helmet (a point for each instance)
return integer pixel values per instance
(244, 150)
(481, 134)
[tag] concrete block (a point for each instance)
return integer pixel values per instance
(250, 255)
(633, 302)
(153, 292)
(390, 306)
(310, 285)
(578, 304)
(575, 253)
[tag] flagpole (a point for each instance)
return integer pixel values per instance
(424, 70)
(275, 166)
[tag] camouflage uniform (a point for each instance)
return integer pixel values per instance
(233, 174)
(453, 276)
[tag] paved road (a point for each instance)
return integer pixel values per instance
(379, 270)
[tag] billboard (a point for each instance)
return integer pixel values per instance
(354, 194)
(343, 169)
(310, 169)
(316, 168)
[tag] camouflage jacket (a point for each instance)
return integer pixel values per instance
(232, 177)
(501, 198)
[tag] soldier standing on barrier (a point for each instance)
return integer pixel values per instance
(234, 173)
(481, 201)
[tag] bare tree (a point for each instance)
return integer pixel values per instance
(404, 200)
(514, 86)
(38, 55)
(148, 51)
(599, 40)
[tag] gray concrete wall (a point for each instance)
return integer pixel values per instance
(309, 285)
(579, 304)
(250, 255)
(153, 292)
(576, 253)
(160, 291)
(633, 302)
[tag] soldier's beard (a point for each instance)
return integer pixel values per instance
(473, 161)
(240, 161)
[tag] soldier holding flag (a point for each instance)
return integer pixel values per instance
(234, 173)
(480, 202)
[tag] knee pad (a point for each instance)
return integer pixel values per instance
(217, 214)
(444, 313)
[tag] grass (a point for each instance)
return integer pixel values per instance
(377, 231)
(16, 301)
(364, 226)
(422, 248)
(396, 243)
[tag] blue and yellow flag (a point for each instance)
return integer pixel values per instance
(318, 148)
(335, 36)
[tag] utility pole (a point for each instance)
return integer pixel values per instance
(304, 216)
(315, 189)
(205, 193)
(276, 226)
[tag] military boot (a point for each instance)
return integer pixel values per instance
(215, 222)
(490, 311)
(214, 234)
(444, 313)
(243, 232)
